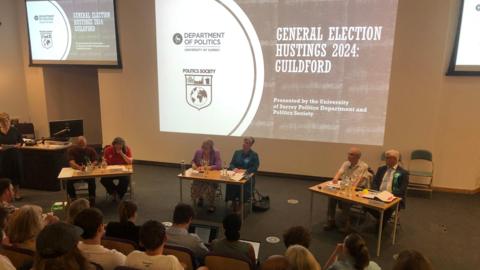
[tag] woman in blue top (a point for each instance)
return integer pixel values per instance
(244, 159)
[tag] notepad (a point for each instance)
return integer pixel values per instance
(383, 196)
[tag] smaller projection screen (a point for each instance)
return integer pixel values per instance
(73, 32)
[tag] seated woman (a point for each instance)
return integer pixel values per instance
(352, 254)
(300, 258)
(24, 225)
(205, 158)
(245, 159)
(231, 245)
(10, 156)
(118, 153)
(126, 228)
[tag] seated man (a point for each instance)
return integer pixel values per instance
(357, 171)
(392, 178)
(7, 194)
(178, 234)
(79, 156)
(91, 222)
(153, 238)
(118, 153)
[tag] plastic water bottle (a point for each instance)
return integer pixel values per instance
(182, 167)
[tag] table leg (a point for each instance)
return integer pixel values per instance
(181, 189)
(395, 225)
(380, 229)
(311, 210)
(64, 187)
(251, 195)
(242, 207)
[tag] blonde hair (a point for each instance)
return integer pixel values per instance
(300, 258)
(76, 207)
(4, 117)
(24, 224)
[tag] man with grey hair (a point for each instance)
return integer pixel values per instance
(357, 171)
(392, 178)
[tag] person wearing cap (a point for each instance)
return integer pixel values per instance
(392, 178)
(56, 247)
(90, 220)
(153, 239)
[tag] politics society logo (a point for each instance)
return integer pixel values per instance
(46, 39)
(198, 89)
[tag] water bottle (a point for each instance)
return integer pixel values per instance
(182, 167)
(224, 170)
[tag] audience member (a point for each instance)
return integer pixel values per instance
(79, 156)
(24, 225)
(76, 207)
(153, 238)
(205, 158)
(11, 158)
(352, 254)
(126, 228)
(7, 194)
(354, 170)
(4, 212)
(231, 244)
(91, 222)
(300, 258)
(178, 234)
(57, 249)
(243, 159)
(118, 153)
(297, 235)
(412, 260)
(5, 263)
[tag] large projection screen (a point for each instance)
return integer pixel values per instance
(72, 32)
(296, 70)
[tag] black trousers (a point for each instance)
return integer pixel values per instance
(91, 188)
(120, 189)
(386, 215)
(332, 207)
(12, 165)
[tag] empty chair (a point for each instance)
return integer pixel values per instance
(183, 254)
(122, 245)
(18, 256)
(421, 170)
(216, 261)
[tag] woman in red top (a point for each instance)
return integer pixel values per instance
(117, 154)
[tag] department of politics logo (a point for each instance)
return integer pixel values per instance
(198, 89)
(177, 38)
(46, 39)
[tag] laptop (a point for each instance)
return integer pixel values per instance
(206, 232)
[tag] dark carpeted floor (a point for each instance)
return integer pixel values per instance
(445, 228)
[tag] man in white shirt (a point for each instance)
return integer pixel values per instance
(153, 238)
(357, 172)
(91, 221)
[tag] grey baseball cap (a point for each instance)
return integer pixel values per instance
(57, 239)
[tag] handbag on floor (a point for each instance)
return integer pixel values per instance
(261, 203)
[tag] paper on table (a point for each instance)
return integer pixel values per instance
(235, 176)
(330, 184)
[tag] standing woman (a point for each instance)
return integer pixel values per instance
(207, 157)
(248, 160)
(10, 155)
(118, 153)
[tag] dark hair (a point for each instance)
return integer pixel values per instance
(412, 260)
(232, 225)
(357, 248)
(297, 235)
(152, 235)
(121, 141)
(4, 185)
(73, 260)
(183, 213)
(126, 210)
(89, 220)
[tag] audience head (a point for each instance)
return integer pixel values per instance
(183, 214)
(56, 248)
(76, 207)
(152, 235)
(90, 220)
(354, 155)
(297, 235)
(6, 190)
(82, 141)
(300, 258)
(4, 120)
(248, 143)
(392, 157)
(356, 248)
(412, 260)
(119, 144)
(127, 211)
(207, 145)
(24, 224)
(232, 225)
